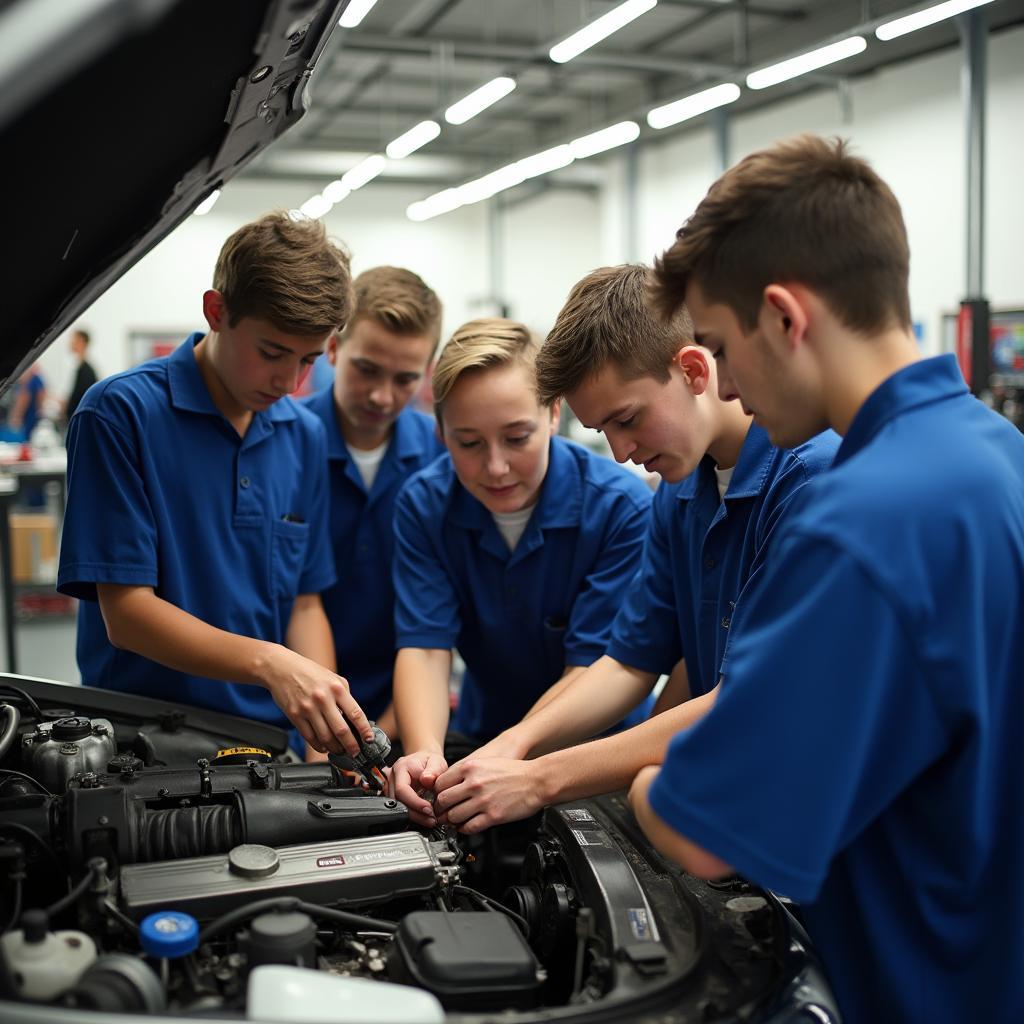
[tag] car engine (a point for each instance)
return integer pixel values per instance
(136, 877)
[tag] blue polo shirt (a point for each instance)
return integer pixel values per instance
(361, 605)
(163, 493)
(517, 618)
(864, 756)
(703, 554)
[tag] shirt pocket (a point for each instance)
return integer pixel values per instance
(555, 629)
(288, 557)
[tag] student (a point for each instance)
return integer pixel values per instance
(864, 756)
(653, 393)
(374, 443)
(196, 526)
(514, 548)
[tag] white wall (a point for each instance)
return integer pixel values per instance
(908, 120)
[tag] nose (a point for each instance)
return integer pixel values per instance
(497, 463)
(622, 447)
(727, 389)
(288, 379)
(382, 395)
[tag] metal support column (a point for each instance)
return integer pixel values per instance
(973, 324)
(720, 127)
(632, 203)
(496, 255)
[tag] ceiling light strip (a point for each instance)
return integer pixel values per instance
(922, 19)
(479, 99)
(806, 62)
(693, 106)
(355, 12)
(606, 25)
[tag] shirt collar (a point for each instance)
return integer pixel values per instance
(748, 478)
(561, 495)
(189, 391)
(403, 445)
(921, 383)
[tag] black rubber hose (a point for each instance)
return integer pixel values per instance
(30, 701)
(9, 731)
(290, 903)
(96, 867)
(189, 832)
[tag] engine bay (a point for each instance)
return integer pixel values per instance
(138, 878)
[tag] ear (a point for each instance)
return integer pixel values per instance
(332, 348)
(784, 315)
(556, 415)
(214, 309)
(693, 361)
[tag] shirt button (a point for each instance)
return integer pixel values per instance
(244, 482)
(725, 623)
(709, 563)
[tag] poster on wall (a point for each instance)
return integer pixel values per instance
(144, 345)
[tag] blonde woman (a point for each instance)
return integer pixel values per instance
(515, 548)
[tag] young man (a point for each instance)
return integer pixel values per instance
(864, 754)
(374, 443)
(515, 548)
(653, 393)
(196, 526)
(85, 375)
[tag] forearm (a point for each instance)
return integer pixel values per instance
(139, 621)
(556, 688)
(610, 763)
(594, 701)
(675, 691)
(309, 632)
(421, 697)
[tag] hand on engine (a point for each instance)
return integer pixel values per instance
(413, 776)
(480, 792)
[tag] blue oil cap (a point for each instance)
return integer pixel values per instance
(168, 933)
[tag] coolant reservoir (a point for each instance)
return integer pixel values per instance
(69, 746)
(45, 964)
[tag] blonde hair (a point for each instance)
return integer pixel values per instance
(481, 345)
(399, 300)
(287, 272)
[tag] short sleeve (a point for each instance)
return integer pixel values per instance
(109, 533)
(823, 718)
(645, 631)
(426, 603)
(600, 595)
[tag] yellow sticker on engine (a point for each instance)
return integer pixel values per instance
(233, 751)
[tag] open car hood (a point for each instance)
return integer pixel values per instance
(117, 118)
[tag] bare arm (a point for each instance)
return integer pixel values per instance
(675, 691)
(312, 696)
(588, 703)
(421, 705)
(309, 634)
(571, 673)
(665, 839)
(480, 792)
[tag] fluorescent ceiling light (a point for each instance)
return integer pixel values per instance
(589, 35)
(336, 192)
(316, 206)
(692, 106)
(479, 99)
(355, 12)
(607, 138)
(413, 139)
(543, 163)
(806, 62)
(929, 16)
(363, 172)
(207, 204)
(435, 205)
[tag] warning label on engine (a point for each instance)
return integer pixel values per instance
(578, 814)
(643, 926)
(587, 838)
(334, 861)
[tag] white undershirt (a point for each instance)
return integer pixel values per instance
(368, 462)
(724, 476)
(512, 524)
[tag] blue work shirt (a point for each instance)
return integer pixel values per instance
(361, 605)
(864, 755)
(518, 618)
(163, 493)
(703, 555)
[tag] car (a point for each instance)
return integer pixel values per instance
(159, 860)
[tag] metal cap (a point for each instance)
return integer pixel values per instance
(253, 861)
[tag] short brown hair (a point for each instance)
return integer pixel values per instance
(285, 271)
(481, 345)
(803, 211)
(606, 320)
(399, 300)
